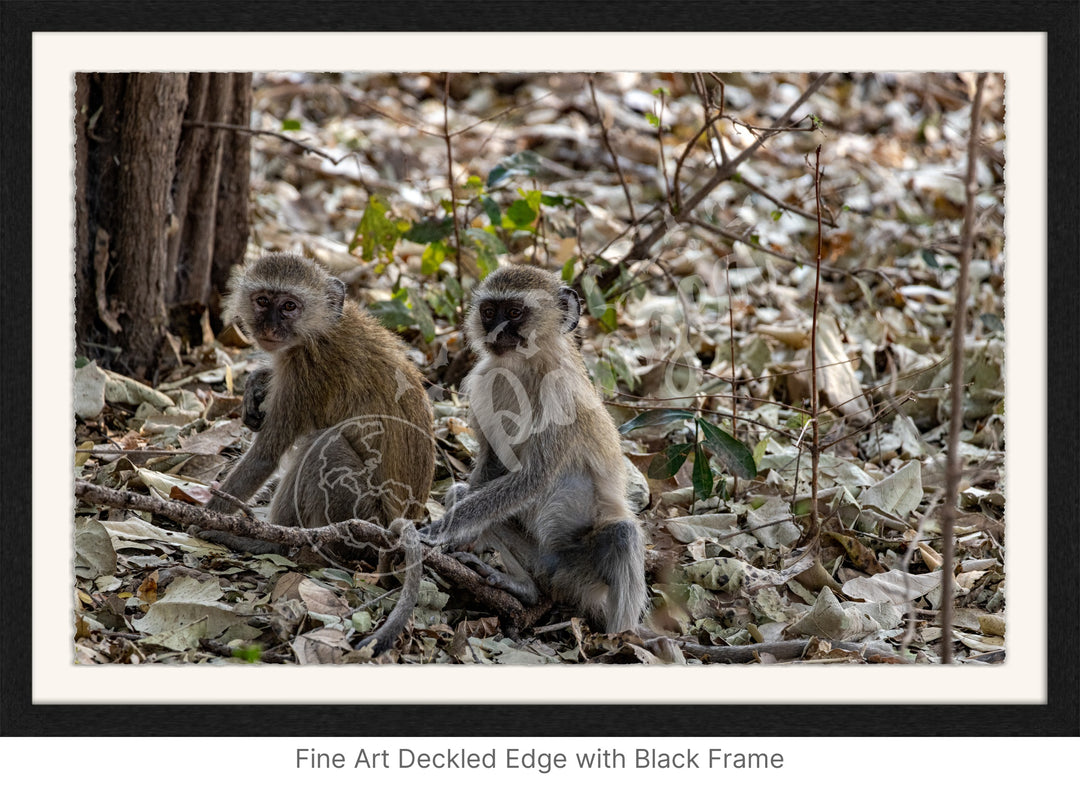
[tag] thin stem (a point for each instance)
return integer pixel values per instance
(815, 448)
(642, 247)
(785, 206)
(450, 171)
(734, 379)
(614, 158)
(956, 416)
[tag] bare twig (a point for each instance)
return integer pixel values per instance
(676, 189)
(734, 379)
(785, 206)
(641, 248)
(247, 130)
(737, 237)
(422, 129)
(815, 448)
(956, 416)
(724, 158)
(450, 171)
(234, 501)
(783, 650)
(611, 153)
(660, 148)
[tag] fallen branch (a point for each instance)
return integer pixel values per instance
(783, 650)
(352, 533)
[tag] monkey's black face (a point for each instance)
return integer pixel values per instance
(274, 318)
(504, 323)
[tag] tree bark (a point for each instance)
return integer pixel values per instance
(161, 208)
(149, 134)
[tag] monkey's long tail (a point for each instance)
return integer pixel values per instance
(384, 636)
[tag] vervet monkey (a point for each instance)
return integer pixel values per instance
(341, 402)
(548, 486)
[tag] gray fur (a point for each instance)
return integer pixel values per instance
(548, 487)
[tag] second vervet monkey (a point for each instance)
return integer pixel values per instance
(548, 485)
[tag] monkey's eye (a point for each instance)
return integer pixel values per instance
(514, 313)
(288, 306)
(487, 312)
(262, 301)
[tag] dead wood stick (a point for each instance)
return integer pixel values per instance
(784, 650)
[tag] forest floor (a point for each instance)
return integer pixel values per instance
(715, 318)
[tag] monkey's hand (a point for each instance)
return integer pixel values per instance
(434, 534)
(438, 532)
(255, 391)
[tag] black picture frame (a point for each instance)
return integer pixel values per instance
(1059, 716)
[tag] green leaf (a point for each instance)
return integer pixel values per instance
(433, 255)
(652, 119)
(554, 199)
(290, 125)
(521, 214)
(454, 292)
(429, 230)
(703, 477)
(376, 234)
(393, 314)
(735, 456)
(609, 321)
(776, 215)
(759, 450)
(473, 183)
(655, 417)
(487, 247)
(568, 269)
(991, 322)
(424, 321)
(491, 209)
(594, 297)
(930, 259)
(797, 420)
(604, 377)
(668, 461)
(445, 301)
(250, 653)
(533, 198)
(620, 368)
(522, 163)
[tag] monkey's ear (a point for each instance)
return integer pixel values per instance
(335, 296)
(570, 303)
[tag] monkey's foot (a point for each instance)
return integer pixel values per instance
(522, 590)
(473, 562)
(240, 543)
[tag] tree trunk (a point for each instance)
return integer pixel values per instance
(161, 208)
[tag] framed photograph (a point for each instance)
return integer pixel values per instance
(732, 236)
